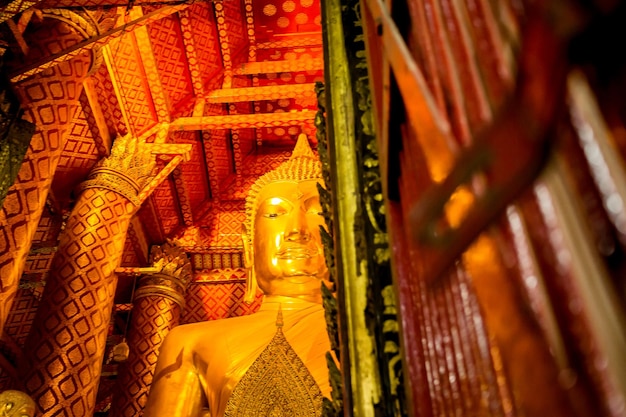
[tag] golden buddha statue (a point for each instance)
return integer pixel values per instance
(16, 404)
(272, 362)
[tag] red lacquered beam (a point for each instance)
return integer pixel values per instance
(464, 62)
(469, 349)
(412, 324)
(510, 154)
(543, 232)
(486, 29)
(450, 326)
(422, 45)
(481, 344)
(448, 71)
(442, 352)
(456, 325)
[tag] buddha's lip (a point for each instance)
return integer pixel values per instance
(296, 253)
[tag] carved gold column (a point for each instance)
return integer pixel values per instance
(65, 348)
(157, 306)
(49, 100)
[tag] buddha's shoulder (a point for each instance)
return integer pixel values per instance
(200, 331)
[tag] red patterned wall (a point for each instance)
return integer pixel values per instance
(286, 17)
(206, 41)
(127, 68)
(79, 156)
(213, 301)
(165, 199)
(169, 52)
(108, 102)
(235, 21)
(194, 170)
(298, 54)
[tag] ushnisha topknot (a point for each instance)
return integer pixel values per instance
(302, 165)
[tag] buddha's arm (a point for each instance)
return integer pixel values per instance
(176, 390)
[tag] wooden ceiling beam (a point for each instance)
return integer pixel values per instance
(250, 30)
(102, 136)
(148, 61)
(292, 42)
(244, 121)
(198, 107)
(222, 33)
(275, 67)
(183, 197)
(191, 54)
(109, 61)
(270, 92)
(59, 4)
(137, 236)
(212, 170)
(93, 42)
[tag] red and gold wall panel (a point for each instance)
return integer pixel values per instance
(235, 25)
(226, 229)
(38, 263)
(279, 17)
(169, 53)
(222, 156)
(48, 228)
(129, 257)
(257, 165)
(214, 301)
(216, 260)
(294, 52)
(128, 70)
(165, 199)
(246, 141)
(150, 223)
(109, 104)
(289, 102)
(79, 156)
(194, 171)
(206, 41)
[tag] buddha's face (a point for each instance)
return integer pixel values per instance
(288, 252)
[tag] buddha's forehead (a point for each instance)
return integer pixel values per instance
(288, 190)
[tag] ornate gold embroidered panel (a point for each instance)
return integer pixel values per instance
(276, 384)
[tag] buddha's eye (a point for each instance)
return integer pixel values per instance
(271, 211)
(313, 206)
(315, 209)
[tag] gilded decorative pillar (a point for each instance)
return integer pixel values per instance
(48, 100)
(157, 306)
(62, 364)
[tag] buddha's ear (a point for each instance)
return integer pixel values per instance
(248, 263)
(247, 246)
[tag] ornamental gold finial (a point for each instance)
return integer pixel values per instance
(172, 277)
(127, 170)
(302, 148)
(16, 404)
(172, 260)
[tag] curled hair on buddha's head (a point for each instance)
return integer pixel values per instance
(302, 165)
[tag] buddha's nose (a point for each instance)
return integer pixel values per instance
(297, 229)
